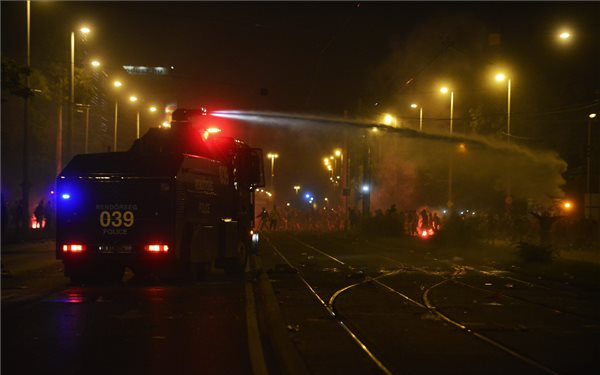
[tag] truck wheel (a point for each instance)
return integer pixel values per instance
(237, 265)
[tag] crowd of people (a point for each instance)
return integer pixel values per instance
(331, 219)
(16, 223)
(489, 227)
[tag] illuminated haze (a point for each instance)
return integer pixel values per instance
(410, 168)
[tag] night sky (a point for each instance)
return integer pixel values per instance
(341, 58)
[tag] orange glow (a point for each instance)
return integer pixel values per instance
(33, 223)
(212, 130)
(157, 248)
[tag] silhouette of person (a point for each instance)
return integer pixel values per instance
(264, 217)
(39, 213)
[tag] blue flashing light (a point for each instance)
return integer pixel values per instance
(307, 196)
(66, 196)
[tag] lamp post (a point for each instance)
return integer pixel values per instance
(116, 84)
(84, 30)
(272, 156)
(588, 182)
(450, 203)
(25, 183)
(296, 188)
(414, 105)
(86, 108)
(500, 77)
(134, 99)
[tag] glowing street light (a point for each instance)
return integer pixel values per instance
(564, 36)
(95, 63)
(83, 30)
(116, 85)
(152, 109)
(588, 185)
(388, 119)
(500, 77)
(445, 90)
(297, 188)
(134, 99)
(414, 106)
(272, 156)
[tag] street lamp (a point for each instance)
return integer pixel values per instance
(500, 77)
(389, 120)
(414, 105)
(116, 85)
(588, 184)
(83, 30)
(444, 90)
(296, 188)
(134, 99)
(564, 36)
(25, 185)
(272, 156)
(86, 108)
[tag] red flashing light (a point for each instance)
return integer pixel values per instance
(73, 248)
(157, 248)
(207, 132)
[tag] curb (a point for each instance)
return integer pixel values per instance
(284, 352)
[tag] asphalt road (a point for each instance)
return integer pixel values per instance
(52, 327)
(361, 307)
(333, 305)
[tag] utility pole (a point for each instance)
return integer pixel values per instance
(25, 185)
(366, 188)
(69, 150)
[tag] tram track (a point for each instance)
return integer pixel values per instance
(498, 275)
(425, 304)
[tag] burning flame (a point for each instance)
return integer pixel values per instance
(33, 223)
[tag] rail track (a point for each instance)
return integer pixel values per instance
(423, 301)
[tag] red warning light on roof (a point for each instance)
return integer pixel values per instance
(209, 131)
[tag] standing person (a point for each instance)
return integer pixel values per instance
(264, 216)
(273, 219)
(49, 216)
(435, 222)
(424, 219)
(39, 213)
(413, 222)
(545, 221)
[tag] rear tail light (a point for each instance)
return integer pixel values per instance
(73, 248)
(157, 248)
